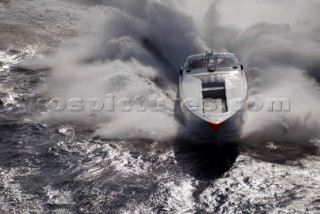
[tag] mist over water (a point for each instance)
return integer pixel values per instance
(51, 162)
(275, 40)
(281, 54)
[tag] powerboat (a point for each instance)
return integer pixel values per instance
(212, 97)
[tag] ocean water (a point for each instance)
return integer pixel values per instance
(142, 161)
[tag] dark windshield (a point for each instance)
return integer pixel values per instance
(227, 62)
(196, 64)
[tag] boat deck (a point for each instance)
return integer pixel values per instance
(214, 93)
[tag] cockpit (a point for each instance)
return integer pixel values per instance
(212, 62)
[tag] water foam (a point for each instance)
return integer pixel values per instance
(280, 53)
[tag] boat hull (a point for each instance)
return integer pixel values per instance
(203, 131)
(213, 94)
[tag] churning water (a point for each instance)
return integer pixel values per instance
(140, 161)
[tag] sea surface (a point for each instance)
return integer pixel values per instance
(142, 162)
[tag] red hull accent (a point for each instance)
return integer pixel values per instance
(216, 127)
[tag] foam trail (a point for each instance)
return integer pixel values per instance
(280, 52)
(282, 58)
(113, 59)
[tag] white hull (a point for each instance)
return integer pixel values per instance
(202, 131)
(228, 91)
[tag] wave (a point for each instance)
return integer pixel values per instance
(135, 48)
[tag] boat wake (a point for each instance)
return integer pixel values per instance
(127, 48)
(135, 48)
